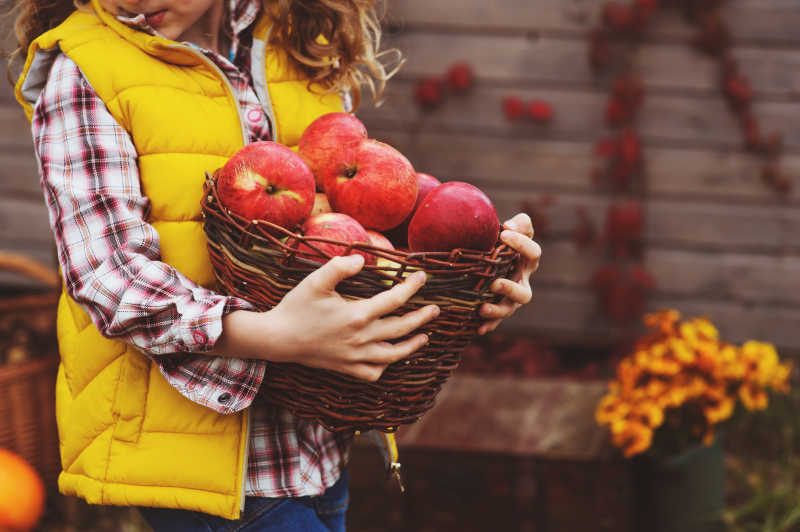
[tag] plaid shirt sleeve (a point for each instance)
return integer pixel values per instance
(110, 256)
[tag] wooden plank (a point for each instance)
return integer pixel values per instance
(562, 60)
(19, 175)
(693, 274)
(555, 166)
(667, 121)
(24, 224)
(771, 21)
(571, 317)
(15, 133)
(675, 224)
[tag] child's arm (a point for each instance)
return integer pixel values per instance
(110, 257)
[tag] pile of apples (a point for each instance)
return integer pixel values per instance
(344, 186)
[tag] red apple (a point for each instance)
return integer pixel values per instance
(378, 240)
(335, 226)
(454, 215)
(326, 135)
(321, 204)
(267, 181)
(425, 183)
(372, 182)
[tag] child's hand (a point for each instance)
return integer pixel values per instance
(517, 290)
(319, 328)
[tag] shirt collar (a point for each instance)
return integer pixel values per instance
(243, 14)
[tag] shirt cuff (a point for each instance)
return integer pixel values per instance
(200, 325)
(225, 385)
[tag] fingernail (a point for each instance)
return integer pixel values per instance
(435, 310)
(419, 276)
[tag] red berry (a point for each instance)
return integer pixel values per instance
(629, 90)
(606, 148)
(630, 148)
(428, 92)
(459, 77)
(540, 111)
(738, 90)
(624, 224)
(751, 131)
(642, 279)
(617, 16)
(617, 112)
(513, 108)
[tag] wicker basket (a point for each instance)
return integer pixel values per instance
(27, 389)
(257, 262)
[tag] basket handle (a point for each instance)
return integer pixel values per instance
(14, 262)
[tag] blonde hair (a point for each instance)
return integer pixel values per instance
(347, 58)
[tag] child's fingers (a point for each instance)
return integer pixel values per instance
(489, 326)
(399, 326)
(521, 223)
(388, 300)
(366, 372)
(529, 249)
(517, 292)
(387, 353)
(326, 277)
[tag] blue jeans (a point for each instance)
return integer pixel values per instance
(324, 513)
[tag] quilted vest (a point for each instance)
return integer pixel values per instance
(126, 436)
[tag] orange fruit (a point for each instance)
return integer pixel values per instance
(21, 493)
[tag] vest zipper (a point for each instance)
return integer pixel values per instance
(245, 137)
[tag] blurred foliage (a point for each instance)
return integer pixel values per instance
(763, 466)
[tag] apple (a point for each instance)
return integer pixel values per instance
(267, 181)
(326, 135)
(335, 226)
(372, 182)
(425, 183)
(454, 215)
(321, 204)
(378, 240)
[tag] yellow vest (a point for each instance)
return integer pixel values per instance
(127, 437)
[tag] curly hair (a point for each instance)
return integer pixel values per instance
(334, 43)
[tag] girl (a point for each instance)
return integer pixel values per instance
(131, 101)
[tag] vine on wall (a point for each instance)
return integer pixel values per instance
(623, 283)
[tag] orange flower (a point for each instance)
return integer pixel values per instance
(719, 407)
(664, 321)
(780, 379)
(753, 396)
(685, 367)
(682, 351)
(611, 409)
(650, 413)
(633, 438)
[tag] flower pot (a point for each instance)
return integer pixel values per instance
(683, 493)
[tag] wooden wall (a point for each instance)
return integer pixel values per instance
(718, 241)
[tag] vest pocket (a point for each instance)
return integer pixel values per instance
(131, 397)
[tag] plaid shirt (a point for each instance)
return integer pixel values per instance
(110, 258)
